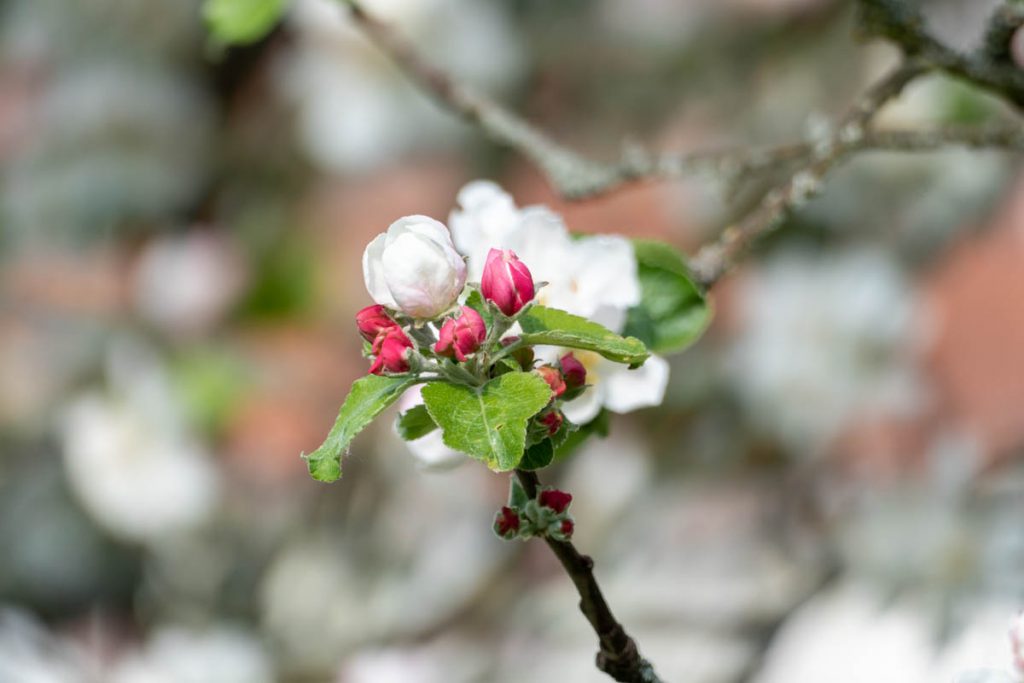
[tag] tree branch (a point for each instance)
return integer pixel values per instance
(618, 656)
(990, 66)
(715, 259)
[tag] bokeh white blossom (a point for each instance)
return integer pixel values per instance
(356, 110)
(822, 340)
(130, 459)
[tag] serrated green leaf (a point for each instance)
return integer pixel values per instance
(538, 455)
(240, 22)
(542, 325)
(415, 423)
(366, 400)
(488, 422)
(673, 312)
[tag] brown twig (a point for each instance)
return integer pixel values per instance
(618, 655)
(715, 259)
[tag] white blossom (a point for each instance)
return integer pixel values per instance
(129, 459)
(594, 277)
(175, 655)
(821, 339)
(413, 267)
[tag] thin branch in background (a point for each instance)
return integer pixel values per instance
(715, 259)
(618, 656)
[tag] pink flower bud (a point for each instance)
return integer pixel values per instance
(567, 527)
(552, 420)
(555, 499)
(506, 281)
(392, 348)
(553, 377)
(461, 336)
(506, 522)
(573, 371)
(373, 320)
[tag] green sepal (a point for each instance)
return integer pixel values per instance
(516, 494)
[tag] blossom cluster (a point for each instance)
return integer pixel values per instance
(415, 276)
(545, 515)
(417, 273)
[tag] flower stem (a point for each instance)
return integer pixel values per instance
(618, 656)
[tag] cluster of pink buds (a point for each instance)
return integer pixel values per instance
(389, 344)
(567, 380)
(546, 515)
(506, 283)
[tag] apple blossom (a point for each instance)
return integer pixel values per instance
(506, 281)
(373, 320)
(461, 336)
(392, 348)
(577, 275)
(414, 268)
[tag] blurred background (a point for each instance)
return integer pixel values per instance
(832, 490)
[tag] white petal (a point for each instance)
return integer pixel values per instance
(488, 218)
(627, 390)
(420, 275)
(373, 272)
(429, 450)
(420, 225)
(605, 272)
(432, 454)
(585, 408)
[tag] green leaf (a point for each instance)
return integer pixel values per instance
(488, 422)
(415, 423)
(673, 312)
(240, 22)
(368, 397)
(543, 325)
(517, 497)
(538, 455)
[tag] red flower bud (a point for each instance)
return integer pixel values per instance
(461, 336)
(552, 420)
(506, 522)
(573, 371)
(506, 281)
(555, 499)
(554, 379)
(392, 349)
(567, 527)
(373, 320)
